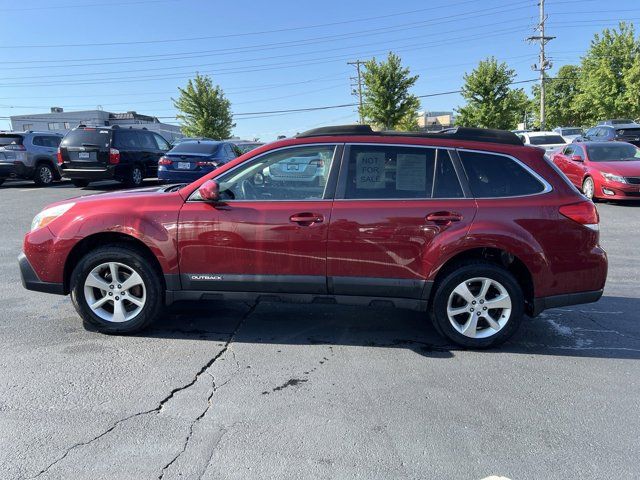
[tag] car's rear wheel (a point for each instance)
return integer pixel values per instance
(80, 183)
(478, 305)
(43, 175)
(116, 289)
(136, 176)
(588, 188)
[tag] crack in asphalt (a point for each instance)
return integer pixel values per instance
(191, 427)
(158, 409)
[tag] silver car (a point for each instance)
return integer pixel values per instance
(308, 169)
(29, 155)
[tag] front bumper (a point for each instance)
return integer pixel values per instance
(30, 279)
(619, 191)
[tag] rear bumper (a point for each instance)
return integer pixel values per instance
(106, 173)
(30, 279)
(7, 169)
(556, 301)
(178, 176)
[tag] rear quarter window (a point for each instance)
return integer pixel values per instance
(495, 176)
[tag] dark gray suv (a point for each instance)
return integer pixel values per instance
(29, 155)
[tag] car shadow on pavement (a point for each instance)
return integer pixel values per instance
(608, 329)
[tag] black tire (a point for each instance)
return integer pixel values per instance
(134, 259)
(80, 183)
(463, 273)
(2, 180)
(44, 175)
(135, 176)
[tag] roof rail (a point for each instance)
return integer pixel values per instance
(457, 133)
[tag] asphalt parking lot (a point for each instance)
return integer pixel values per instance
(235, 391)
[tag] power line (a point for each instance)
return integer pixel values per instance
(235, 35)
(246, 115)
(270, 46)
(271, 66)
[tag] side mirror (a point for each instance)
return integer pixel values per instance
(577, 158)
(209, 191)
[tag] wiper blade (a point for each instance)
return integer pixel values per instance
(90, 145)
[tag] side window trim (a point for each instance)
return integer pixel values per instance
(341, 184)
(547, 186)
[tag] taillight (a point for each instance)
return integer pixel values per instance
(164, 161)
(584, 213)
(114, 156)
(19, 148)
(60, 159)
(207, 164)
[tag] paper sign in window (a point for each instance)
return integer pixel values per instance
(411, 172)
(370, 170)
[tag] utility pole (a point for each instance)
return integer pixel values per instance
(543, 64)
(358, 92)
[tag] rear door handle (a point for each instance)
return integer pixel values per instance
(443, 218)
(306, 218)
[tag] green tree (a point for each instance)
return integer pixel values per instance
(205, 112)
(491, 103)
(607, 71)
(560, 99)
(386, 100)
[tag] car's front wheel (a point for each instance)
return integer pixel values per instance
(588, 188)
(116, 289)
(478, 305)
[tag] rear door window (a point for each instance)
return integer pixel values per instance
(400, 172)
(495, 176)
(147, 142)
(126, 140)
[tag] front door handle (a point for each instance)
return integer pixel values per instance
(306, 218)
(443, 218)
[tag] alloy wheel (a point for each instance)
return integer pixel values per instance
(588, 188)
(46, 175)
(479, 307)
(115, 292)
(136, 176)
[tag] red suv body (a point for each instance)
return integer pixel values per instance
(469, 225)
(603, 170)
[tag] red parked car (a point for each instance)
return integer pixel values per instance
(605, 170)
(467, 225)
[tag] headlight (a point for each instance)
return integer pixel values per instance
(48, 215)
(614, 178)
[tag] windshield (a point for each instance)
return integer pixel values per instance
(9, 139)
(546, 139)
(87, 137)
(195, 147)
(613, 153)
(571, 131)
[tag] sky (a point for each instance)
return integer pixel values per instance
(270, 55)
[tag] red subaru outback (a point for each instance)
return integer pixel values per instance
(467, 225)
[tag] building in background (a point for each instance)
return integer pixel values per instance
(431, 121)
(61, 122)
